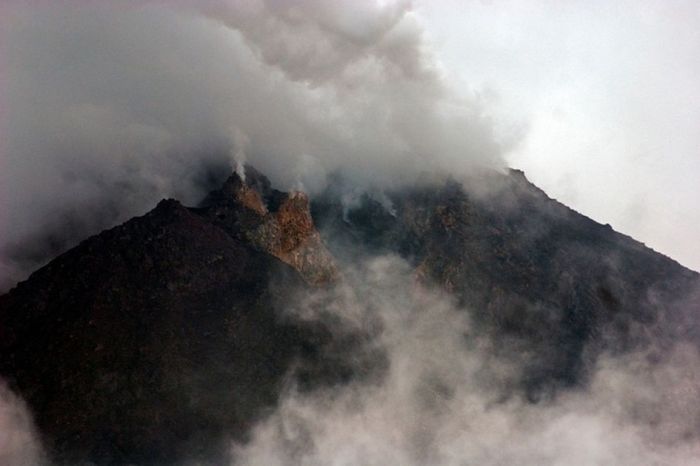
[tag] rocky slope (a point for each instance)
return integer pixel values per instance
(157, 340)
(536, 274)
(161, 339)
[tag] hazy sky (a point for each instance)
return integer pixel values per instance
(606, 97)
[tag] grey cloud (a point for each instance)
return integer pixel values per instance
(113, 106)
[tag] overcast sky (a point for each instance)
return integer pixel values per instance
(606, 99)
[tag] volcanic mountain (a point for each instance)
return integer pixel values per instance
(162, 340)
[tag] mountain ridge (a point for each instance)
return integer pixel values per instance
(161, 339)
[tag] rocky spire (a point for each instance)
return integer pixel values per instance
(273, 221)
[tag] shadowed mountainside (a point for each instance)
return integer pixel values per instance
(159, 340)
(538, 275)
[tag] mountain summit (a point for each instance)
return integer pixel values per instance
(272, 221)
(160, 340)
(154, 339)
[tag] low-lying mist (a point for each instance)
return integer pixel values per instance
(19, 442)
(445, 391)
(450, 397)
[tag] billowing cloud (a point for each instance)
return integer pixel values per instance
(112, 106)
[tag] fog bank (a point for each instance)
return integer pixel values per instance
(450, 397)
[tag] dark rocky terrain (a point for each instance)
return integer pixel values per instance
(536, 274)
(156, 341)
(159, 340)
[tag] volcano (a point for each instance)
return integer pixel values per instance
(164, 339)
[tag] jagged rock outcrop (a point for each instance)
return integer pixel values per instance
(275, 222)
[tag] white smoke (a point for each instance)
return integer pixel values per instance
(19, 444)
(111, 106)
(114, 105)
(241, 142)
(448, 399)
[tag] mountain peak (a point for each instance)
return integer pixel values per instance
(273, 221)
(160, 339)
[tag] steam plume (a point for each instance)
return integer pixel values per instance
(114, 106)
(450, 398)
(19, 444)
